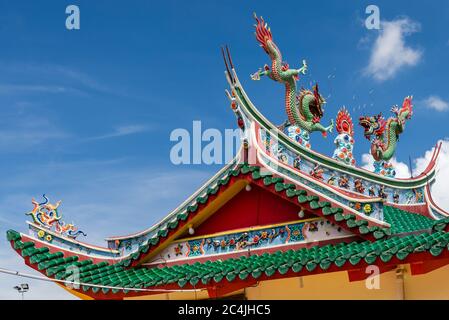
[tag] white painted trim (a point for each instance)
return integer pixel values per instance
(76, 253)
(74, 241)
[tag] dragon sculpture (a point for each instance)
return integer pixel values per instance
(345, 140)
(384, 135)
(46, 215)
(304, 109)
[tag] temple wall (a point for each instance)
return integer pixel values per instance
(433, 285)
(324, 286)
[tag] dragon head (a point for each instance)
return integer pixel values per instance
(373, 125)
(314, 102)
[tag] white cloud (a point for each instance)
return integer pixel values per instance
(31, 88)
(439, 189)
(54, 79)
(389, 52)
(18, 134)
(52, 72)
(122, 131)
(436, 103)
(402, 170)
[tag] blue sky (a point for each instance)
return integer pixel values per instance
(86, 115)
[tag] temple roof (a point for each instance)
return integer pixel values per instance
(429, 240)
(404, 238)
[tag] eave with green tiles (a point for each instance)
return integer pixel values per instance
(429, 244)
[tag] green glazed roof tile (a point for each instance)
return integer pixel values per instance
(254, 266)
(403, 221)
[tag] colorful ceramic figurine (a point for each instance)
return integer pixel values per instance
(343, 182)
(345, 139)
(317, 172)
(304, 110)
(297, 163)
(331, 180)
(396, 197)
(47, 215)
(384, 135)
(358, 186)
(372, 191)
(382, 193)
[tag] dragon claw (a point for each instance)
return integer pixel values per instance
(395, 109)
(331, 126)
(304, 67)
(255, 76)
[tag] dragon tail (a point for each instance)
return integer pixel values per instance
(407, 108)
(263, 33)
(45, 198)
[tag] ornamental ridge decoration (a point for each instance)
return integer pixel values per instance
(46, 214)
(305, 109)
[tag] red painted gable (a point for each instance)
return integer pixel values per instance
(249, 208)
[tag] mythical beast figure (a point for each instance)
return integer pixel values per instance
(47, 215)
(304, 109)
(384, 135)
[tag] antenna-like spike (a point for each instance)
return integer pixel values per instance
(410, 166)
(225, 61)
(229, 57)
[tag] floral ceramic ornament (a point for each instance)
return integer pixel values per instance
(384, 168)
(367, 209)
(299, 135)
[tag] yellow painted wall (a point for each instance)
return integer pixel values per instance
(325, 286)
(198, 295)
(432, 285)
(394, 285)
